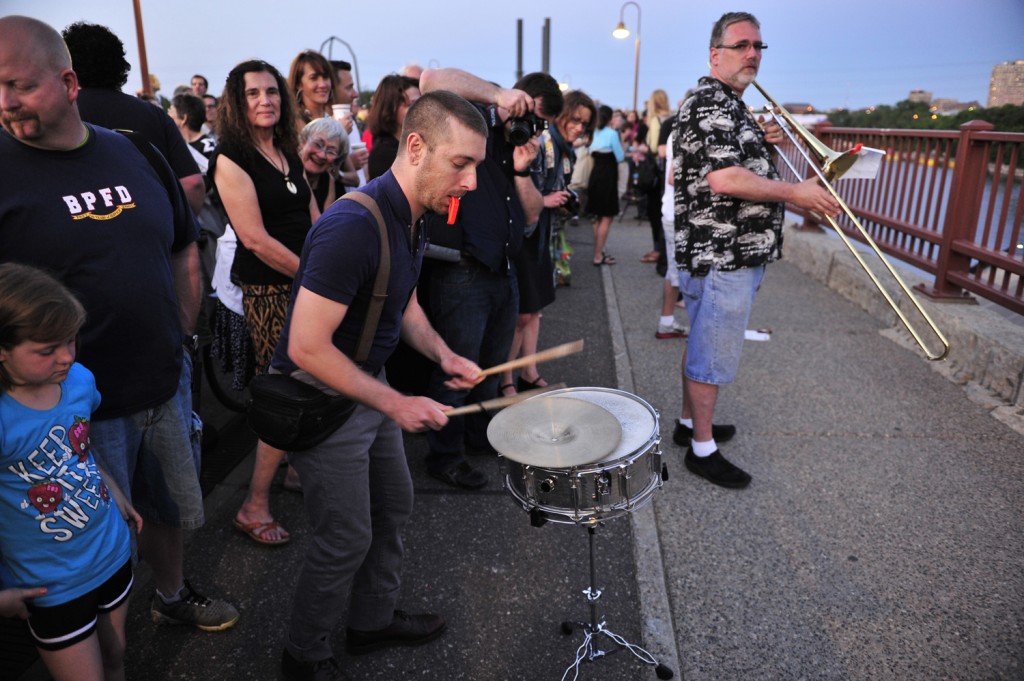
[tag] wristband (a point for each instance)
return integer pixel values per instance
(521, 173)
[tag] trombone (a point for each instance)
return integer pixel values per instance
(829, 165)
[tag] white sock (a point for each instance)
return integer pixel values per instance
(667, 320)
(686, 422)
(178, 595)
(702, 449)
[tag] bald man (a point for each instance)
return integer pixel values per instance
(86, 204)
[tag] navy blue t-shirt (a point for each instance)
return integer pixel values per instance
(101, 220)
(339, 262)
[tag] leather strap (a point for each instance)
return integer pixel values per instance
(380, 284)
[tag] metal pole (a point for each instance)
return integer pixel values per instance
(636, 61)
(519, 49)
(545, 55)
(636, 68)
(143, 66)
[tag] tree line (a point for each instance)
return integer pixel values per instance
(1007, 118)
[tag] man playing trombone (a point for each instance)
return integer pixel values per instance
(729, 205)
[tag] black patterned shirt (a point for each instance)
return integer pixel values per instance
(715, 130)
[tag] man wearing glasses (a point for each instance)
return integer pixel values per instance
(729, 205)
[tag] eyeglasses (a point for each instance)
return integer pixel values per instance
(576, 120)
(321, 148)
(744, 46)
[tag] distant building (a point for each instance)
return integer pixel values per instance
(947, 106)
(920, 96)
(1007, 84)
(799, 107)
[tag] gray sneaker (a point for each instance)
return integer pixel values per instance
(194, 609)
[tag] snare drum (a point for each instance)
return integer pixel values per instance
(622, 481)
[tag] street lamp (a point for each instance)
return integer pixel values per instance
(621, 32)
(329, 45)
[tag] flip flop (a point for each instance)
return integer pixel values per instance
(255, 531)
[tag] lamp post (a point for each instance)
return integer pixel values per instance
(329, 44)
(621, 32)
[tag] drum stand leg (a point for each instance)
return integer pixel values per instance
(587, 649)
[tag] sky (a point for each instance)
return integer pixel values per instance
(826, 53)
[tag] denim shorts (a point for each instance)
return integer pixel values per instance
(718, 305)
(154, 457)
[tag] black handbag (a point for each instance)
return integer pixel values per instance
(289, 414)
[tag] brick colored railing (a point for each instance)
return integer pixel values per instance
(947, 202)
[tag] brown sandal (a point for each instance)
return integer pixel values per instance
(256, 530)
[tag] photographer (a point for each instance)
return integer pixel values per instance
(552, 172)
(472, 297)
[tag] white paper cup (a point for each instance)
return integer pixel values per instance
(341, 111)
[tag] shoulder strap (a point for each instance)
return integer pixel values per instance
(380, 284)
(155, 160)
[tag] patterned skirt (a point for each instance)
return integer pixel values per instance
(265, 307)
(232, 346)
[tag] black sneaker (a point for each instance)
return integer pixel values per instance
(321, 670)
(194, 609)
(460, 475)
(404, 630)
(716, 469)
(721, 433)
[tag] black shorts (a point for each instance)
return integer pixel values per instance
(62, 626)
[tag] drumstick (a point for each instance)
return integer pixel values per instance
(500, 402)
(556, 352)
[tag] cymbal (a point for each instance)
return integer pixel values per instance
(554, 432)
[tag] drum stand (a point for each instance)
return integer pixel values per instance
(587, 651)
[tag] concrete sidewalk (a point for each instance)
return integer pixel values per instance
(882, 536)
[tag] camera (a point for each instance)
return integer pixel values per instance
(522, 129)
(572, 204)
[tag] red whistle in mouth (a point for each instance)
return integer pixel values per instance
(453, 209)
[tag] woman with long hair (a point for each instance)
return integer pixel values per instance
(259, 178)
(657, 114)
(602, 190)
(392, 99)
(312, 82)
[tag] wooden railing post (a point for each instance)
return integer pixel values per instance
(965, 196)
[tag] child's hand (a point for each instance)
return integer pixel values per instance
(12, 601)
(125, 507)
(130, 515)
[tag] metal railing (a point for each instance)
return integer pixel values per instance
(947, 202)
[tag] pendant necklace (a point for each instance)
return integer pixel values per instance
(287, 180)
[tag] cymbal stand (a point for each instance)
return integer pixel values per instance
(587, 650)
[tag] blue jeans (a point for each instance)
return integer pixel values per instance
(474, 310)
(358, 495)
(154, 456)
(718, 305)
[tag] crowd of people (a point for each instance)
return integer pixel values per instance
(465, 186)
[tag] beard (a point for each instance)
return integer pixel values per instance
(21, 125)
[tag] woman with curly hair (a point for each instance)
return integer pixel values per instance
(392, 99)
(259, 177)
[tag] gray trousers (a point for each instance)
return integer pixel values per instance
(358, 495)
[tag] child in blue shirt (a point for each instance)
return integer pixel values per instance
(65, 557)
